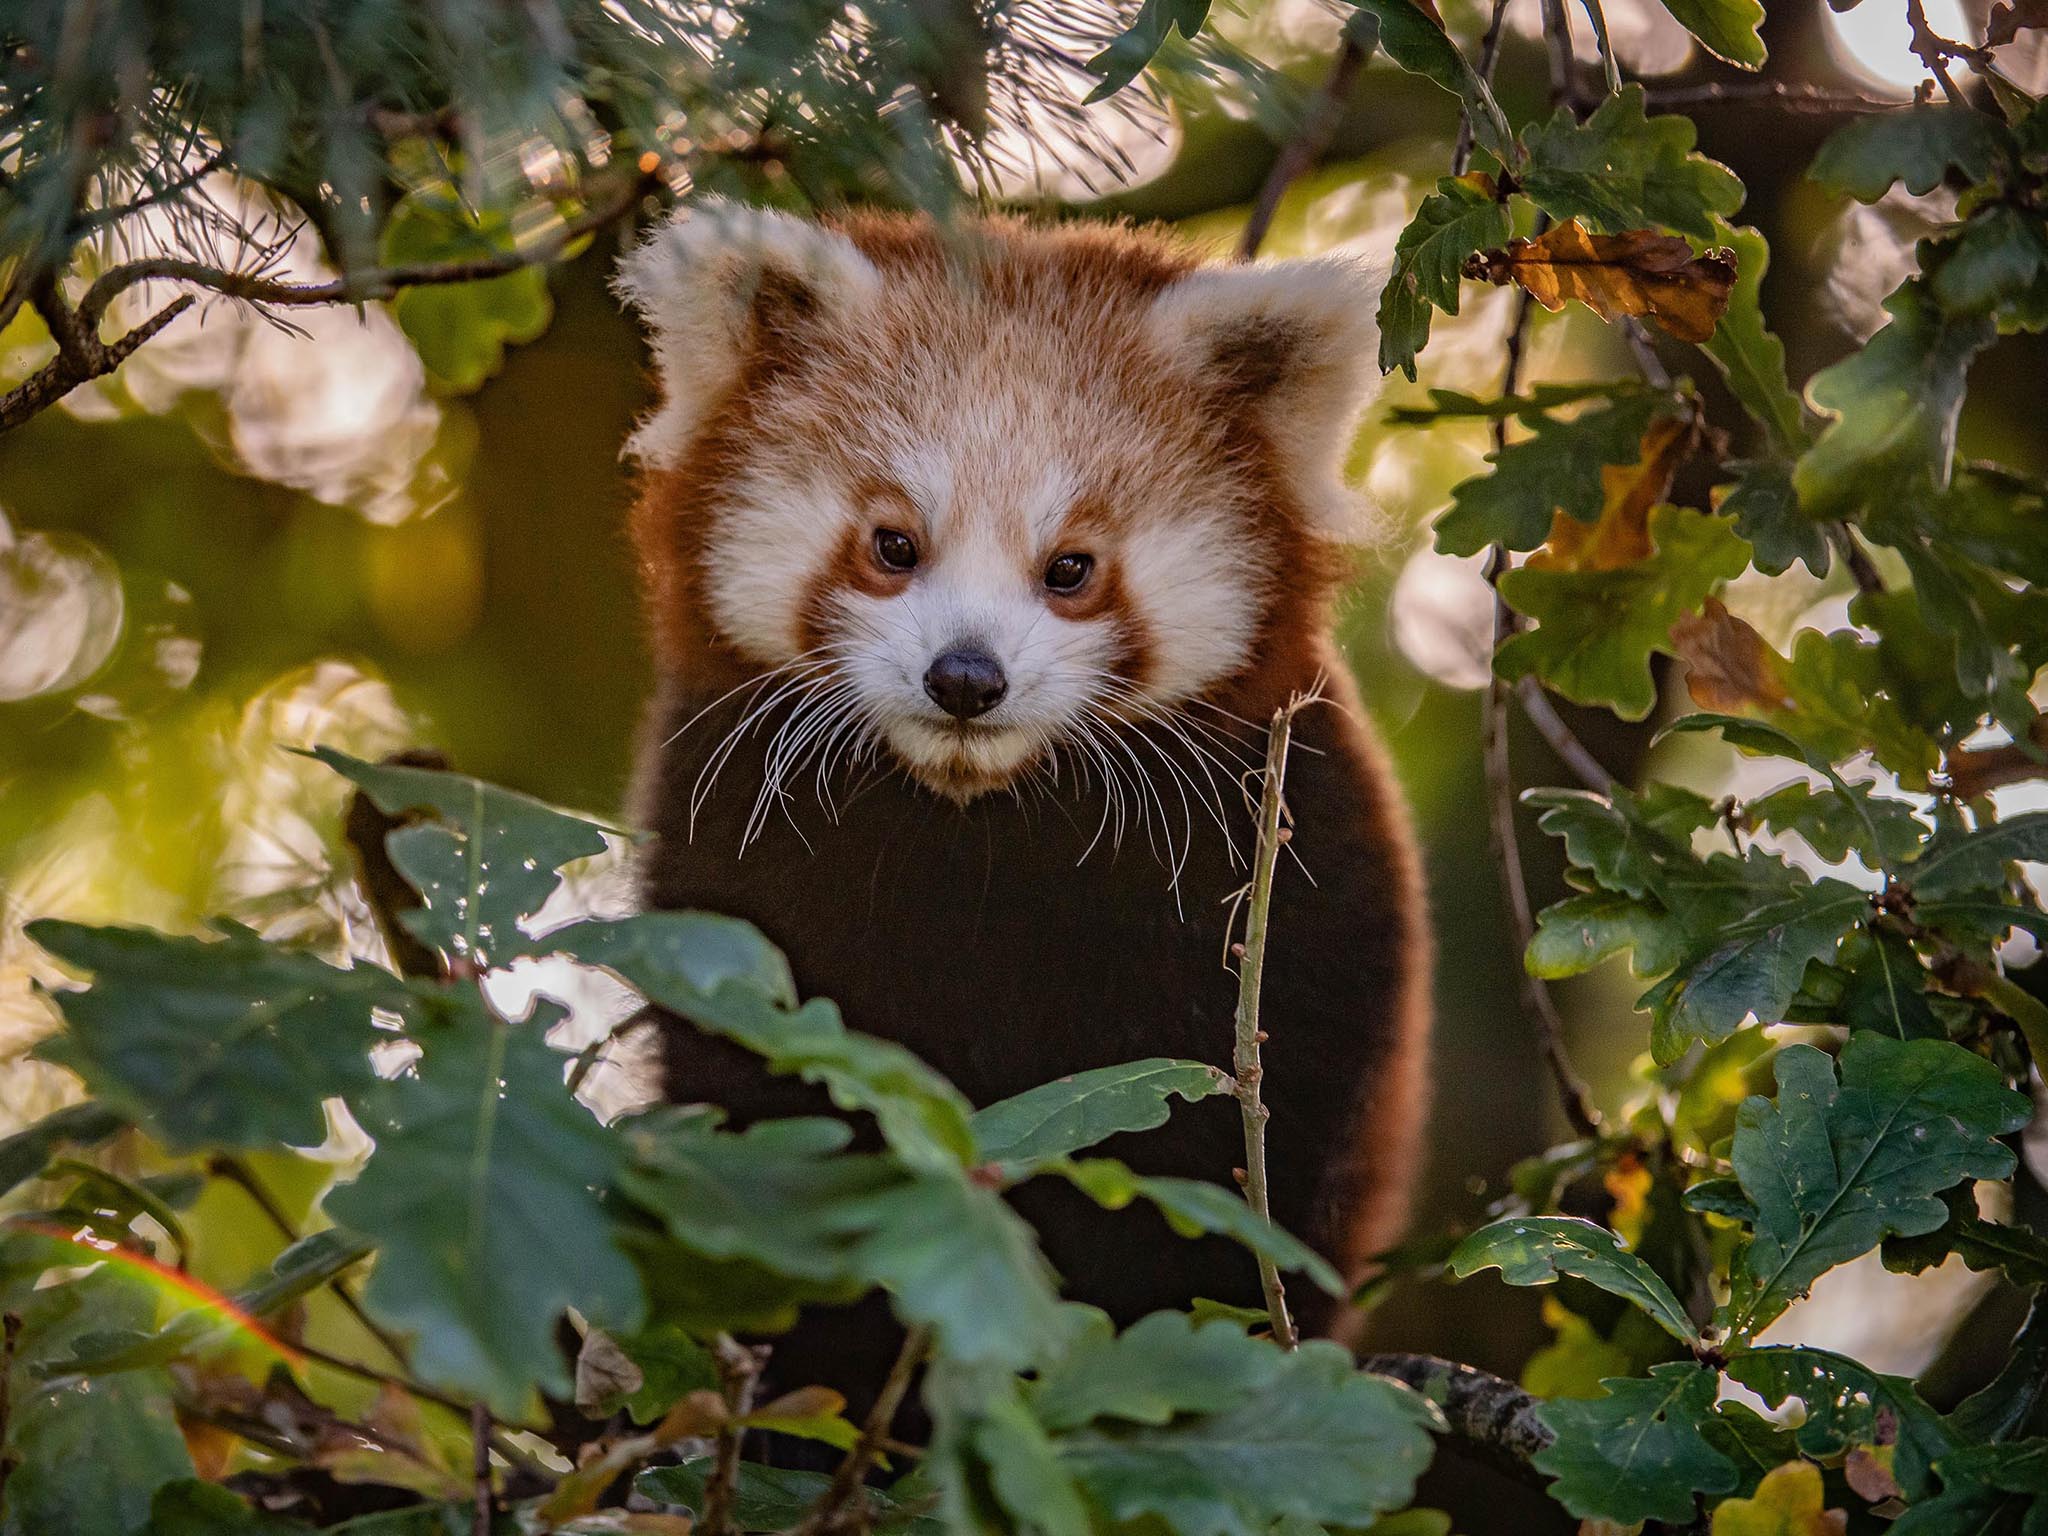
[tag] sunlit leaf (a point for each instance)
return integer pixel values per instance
(1621, 169)
(1538, 1250)
(1596, 630)
(1638, 272)
(1725, 28)
(461, 330)
(1788, 1502)
(1835, 1168)
(1463, 215)
(1752, 359)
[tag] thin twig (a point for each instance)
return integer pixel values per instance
(67, 370)
(1572, 752)
(841, 1507)
(10, 1341)
(1791, 95)
(1311, 137)
(480, 1466)
(1494, 1418)
(739, 1372)
(1489, 56)
(1857, 559)
(1251, 971)
(1935, 51)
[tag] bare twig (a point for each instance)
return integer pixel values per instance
(1572, 752)
(1495, 1419)
(1489, 56)
(1311, 137)
(841, 1507)
(480, 1467)
(1251, 971)
(739, 1373)
(1935, 51)
(10, 1341)
(1789, 94)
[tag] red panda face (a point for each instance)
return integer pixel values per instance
(985, 506)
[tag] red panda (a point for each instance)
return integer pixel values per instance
(975, 561)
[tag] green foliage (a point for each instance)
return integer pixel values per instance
(1076, 1112)
(1726, 28)
(1537, 1250)
(1621, 169)
(1596, 629)
(461, 330)
(1914, 145)
(1416, 41)
(1639, 1452)
(1462, 216)
(1833, 1169)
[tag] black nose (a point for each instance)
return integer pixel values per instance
(965, 683)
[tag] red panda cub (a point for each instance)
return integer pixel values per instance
(976, 561)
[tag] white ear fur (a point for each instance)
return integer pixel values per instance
(1298, 341)
(694, 280)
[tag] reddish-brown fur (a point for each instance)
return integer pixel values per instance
(955, 926)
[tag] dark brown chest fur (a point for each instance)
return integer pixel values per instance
(981, 937)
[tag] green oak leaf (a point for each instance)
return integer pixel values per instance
(1538, 1250)
(1556, 468)
(1725, 28)
(1193, 1208)
(1768, 515)
(1981, 1245)
(725, 978)
(786, 1195)
(774, 1498)
(1847, 1404)
(1596, 630)
(483, 1198)
(1960, 862)
(1752, 359)
(487, 859)
(1837, 825)
(1996, 258)
(1621, 169)
(1456, 405)
(1117, 65)
(1161, 1366)
(27, 1152)
(1419, 45)
(1463, 215)
(1986, 1490)
(65, 1434)
(1576, 934)
(1916, 145)
(1078, 1111)
(1637, 844)
(2002, 1408)
(1314, 1439)
(1639, 1453)
(1834, 1168)
(1895, 405)
(233, 1042)
(460, 330)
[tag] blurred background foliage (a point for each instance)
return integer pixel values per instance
(400, 522)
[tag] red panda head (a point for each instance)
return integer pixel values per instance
(976, 496)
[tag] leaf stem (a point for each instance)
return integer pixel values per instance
(1245, 1063)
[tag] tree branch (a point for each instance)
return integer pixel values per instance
(1791, 95)
(1489, 56)
(76, 365)
(1572, 752)
(1251, 972)
(480, 1467)
(739, 1373)
(1311, 137)
(1494, 1418)
(1973, 771)
(841, 1507)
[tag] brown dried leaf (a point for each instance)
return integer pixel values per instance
(1621, 535)
(1638, 272)
(2006, 21)
(1868, 1472)
(1729, 667)
(604, 1371)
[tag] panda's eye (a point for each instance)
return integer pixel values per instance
(1068, 572)
(895, 549)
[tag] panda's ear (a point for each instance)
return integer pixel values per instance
(1295, 343)
(719, 283)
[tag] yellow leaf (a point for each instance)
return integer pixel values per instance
(1786, 1503)
(1629, 1182)
(1638, 272)
(1621, 535)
